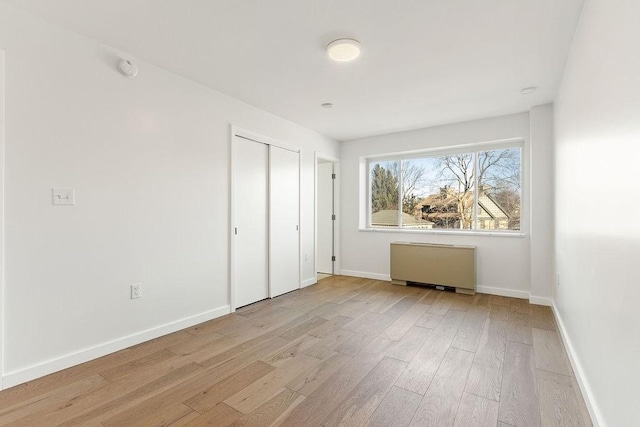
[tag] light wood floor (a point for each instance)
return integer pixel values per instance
(347, 351)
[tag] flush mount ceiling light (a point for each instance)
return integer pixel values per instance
(528, 90)
(343, 50)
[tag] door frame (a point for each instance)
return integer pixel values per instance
(336, 211)
(236, 131)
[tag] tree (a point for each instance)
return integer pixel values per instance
(413, 178)
(498, 170)
(384, 189)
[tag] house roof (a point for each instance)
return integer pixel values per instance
(389, 217)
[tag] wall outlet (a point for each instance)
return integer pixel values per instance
(136, 290)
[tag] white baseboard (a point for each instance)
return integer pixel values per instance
(308, 282)
(366, 275)
(583, 383)
(503, 292)
(32, 372)
(540, 300)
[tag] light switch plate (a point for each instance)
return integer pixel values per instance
(63, 196)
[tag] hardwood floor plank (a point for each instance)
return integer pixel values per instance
(119, 396)
(307, 382)
(549, 352)
(330, 326)
(442, 304)
(369, 322)
(401, 307)
(145, 361)
(396, 409)
(429, 320)
(408, 346)
(271, 411)
(303, 328)
(469, 333)
(209, 397)
(329, 395)
(363, 400)
(441, 401)
(519, 306)
(499, 312)
(327, 345)
(519, 400)
(219, 415)
(476, 411)
(53, 399)
(485, 377)
(519, 328)
(266, 387)
(419, 373)
(542, 318)
(400, 327)
(167, 415)
(560, 401)
(68, 376)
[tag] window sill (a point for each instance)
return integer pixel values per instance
(447, 232)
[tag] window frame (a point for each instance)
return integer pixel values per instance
(474, 149)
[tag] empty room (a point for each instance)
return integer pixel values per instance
(319, 213)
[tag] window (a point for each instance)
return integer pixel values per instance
(462, 190)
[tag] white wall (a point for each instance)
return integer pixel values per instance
(597, 119)
(542, 197)
(149, 160)
(503, 262)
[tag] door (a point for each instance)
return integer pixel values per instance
(324, 215)
(251, 191)
(284, 213)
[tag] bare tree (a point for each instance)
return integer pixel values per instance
(413, 178)
(498, 169)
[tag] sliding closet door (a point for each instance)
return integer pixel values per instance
(284, 213)
(251, 191)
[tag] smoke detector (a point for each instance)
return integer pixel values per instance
(128, 68)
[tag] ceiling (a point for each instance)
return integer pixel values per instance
(424, 62)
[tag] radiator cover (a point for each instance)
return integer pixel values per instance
(435, 264)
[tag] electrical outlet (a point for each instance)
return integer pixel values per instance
(136, 290)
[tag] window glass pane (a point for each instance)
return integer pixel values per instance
(446, 191)
(499, 189)
(384, 193)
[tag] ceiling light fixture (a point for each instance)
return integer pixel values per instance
(327, 105)
(528, 90)
(343, 50)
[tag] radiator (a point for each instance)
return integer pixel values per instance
(442, 265)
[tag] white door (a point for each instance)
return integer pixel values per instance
(251, 190)
(324, 218)
(284, 213)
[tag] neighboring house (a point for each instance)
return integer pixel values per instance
(389, 218)
(443, 210)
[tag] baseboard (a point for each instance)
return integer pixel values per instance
(308, 282)
(366, 275)
(540, 300)
(583, 383)
(503, 292)
(27, 374)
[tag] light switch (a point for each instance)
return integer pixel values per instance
(63, 196)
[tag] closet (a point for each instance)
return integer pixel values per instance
(265, 219)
